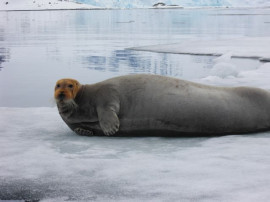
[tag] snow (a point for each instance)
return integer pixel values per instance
(258, 77)
(42, 5)
(223, 67)
(42, 159)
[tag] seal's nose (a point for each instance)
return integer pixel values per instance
(61, 95)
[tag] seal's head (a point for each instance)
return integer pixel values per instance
(66, 90)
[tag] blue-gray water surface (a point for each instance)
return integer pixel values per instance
(39, 47)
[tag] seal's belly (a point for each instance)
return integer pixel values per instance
(210, 122)
(159, 126)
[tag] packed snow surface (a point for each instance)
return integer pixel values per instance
(42, 159)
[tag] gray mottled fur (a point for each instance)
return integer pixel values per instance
(158, 105)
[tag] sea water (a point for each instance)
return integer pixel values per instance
(40, 47)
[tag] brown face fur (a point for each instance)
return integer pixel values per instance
(66, 89)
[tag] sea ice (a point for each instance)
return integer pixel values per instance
(256, 78)
(244, 47)
(42, 159)
(223, 67)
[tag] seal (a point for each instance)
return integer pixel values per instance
(155, 105)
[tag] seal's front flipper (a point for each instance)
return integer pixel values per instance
(108, 121)
(108, 105)
(83, 132)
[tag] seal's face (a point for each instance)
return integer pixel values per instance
(66, 90)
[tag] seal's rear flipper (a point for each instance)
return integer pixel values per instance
(83, 132)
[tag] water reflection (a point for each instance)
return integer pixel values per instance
(4, 53)
(129, 61)
(4, 56)
(37, 48)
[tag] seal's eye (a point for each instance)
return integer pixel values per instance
(70, 86)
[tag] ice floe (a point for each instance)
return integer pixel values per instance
(41, 159)
(245, 47)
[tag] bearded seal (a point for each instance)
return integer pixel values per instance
(159, 105)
